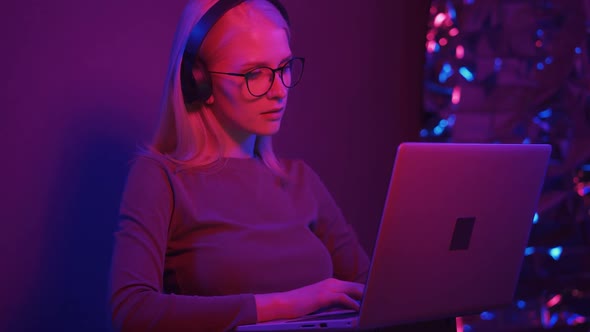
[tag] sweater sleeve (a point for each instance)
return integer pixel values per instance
(349, 259)
(137, 300)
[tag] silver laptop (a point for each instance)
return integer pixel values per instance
(452, 236)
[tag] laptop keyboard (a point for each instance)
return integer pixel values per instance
(336, 315)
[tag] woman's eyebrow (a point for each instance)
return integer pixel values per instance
(287, 58)
(263, 64)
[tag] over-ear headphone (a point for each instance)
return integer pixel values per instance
(196, 84)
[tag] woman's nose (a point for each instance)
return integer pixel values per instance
(277, 89)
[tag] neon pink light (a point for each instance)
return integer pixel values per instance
(456, 96)
(431, 46)
(554, 301)
(440, 19)
(577, 321)
(460, 52)
(430, 35)
(459, 323)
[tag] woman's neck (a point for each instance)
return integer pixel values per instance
(234, 142)
(239, 148)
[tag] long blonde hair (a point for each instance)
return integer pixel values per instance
(182, 136)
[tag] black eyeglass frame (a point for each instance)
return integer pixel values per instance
(272, 81)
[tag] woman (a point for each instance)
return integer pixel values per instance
(214, 230)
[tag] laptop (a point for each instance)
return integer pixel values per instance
(452, 236)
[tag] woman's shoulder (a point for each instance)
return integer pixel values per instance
(292, 164)
(149, 162)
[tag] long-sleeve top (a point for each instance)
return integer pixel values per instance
(194, 245)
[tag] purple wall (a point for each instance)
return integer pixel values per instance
(80, 88)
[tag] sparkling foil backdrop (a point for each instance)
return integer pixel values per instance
(518, 72)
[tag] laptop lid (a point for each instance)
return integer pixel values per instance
(451, 241)
(454, 229)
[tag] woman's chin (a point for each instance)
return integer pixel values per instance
(269, 129)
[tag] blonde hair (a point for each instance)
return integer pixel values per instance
(187, 133)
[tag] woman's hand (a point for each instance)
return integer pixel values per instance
(302, 301)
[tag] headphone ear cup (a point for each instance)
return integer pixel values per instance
(195, 81)
(202, 79)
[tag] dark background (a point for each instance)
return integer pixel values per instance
(81, 82)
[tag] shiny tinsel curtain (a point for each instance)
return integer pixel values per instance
(509, 71)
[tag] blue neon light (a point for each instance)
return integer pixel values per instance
(445, 73)
(486, 315)
(466, 73)
(497, 64)
(544, 114)
(556, 252)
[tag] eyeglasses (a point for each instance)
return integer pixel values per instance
(260, 80)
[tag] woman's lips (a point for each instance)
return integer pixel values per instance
(273, 115)
(278, 110)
